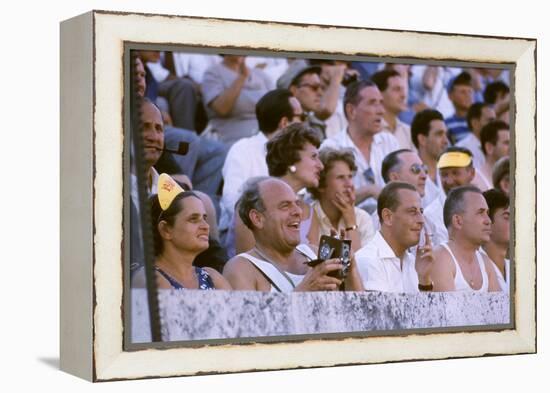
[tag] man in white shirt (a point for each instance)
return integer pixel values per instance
(495, 143)
(364, 111)
(498, 247)
(393, 88)
(385, 264)
(478, 116)
(246, 158)
(429, 136)
(455, 169)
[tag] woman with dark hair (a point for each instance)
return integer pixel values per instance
(292, 156)
(180, 233)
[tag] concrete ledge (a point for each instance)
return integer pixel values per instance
(201, 315)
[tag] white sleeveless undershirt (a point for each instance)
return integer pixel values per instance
(275, 275)
(461, 284)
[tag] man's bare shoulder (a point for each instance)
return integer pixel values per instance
(442, 258)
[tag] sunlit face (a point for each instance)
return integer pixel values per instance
(282, 214)
(411, 170)
(140, 77)
(338, 180)
(190, 230)
(504, 184)
(308, 169)
(475, 223)
(502, 147)
(462, 96)
(367, 114)
(395, 97)
(455, 177)
(309, 92)
(500, 227)
(407, 220)
(153, 133)
(436, 142)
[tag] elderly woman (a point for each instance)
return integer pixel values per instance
(293, 157)
(334, 208)
(180, 233)
(230, 92)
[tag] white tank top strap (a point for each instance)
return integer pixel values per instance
(460, 282)
(304, 249)
(278, 282)
(484, 275)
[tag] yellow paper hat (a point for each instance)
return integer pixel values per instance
(454, 159)
(168, 189)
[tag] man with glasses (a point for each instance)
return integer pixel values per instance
(246, 158)
(364, 112)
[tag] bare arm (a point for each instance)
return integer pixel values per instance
(240, 274)
(219, 281)
(354, 281)
(244, 239)
(443, 271)
(330, 97)
(317, 278)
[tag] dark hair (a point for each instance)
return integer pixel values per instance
(389, 196)
(493, 90)
(462, 79)
(381, 78)
(421, 123)
(168, 215)
(454, 204)
(475, 111)
(328, 157)
(496, 199)
(392, 162)
(489, 133)
(284, 149)
(500, 169)
(353, 93)
(250, 199)
(271, 108)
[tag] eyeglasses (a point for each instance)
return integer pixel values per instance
(312, 86)
(416, 168)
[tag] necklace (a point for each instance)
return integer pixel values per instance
(283, 273)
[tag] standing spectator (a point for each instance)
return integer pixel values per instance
(497, 94)
(394, 93)
(364, 111)
(459, 265)
(495, 142)
(429, 85)
(461, 94)
(334, 207)
(501, 175)
(230, 92)
(479, 115)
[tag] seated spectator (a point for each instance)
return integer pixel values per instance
(478, 116)
(497, 94)
(246, 158)
(497, 248)
(292, 156)
(406, 166)
(501, 175)
(394, 93)
(461, 94)
(495, 143)
(429, 136)
(230, 91)
(364, 112)
(459, 265)
(334, 208)
(276, 262)
(180, 233)
(455, 169)
(385, 263)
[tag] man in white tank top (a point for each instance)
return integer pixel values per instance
(277, 262)
(459, 264)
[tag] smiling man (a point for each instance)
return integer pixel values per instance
(385, 263)
(460, 266)
(277, 262)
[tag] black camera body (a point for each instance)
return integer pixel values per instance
(333, 247)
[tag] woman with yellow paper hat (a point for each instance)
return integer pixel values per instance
(180, 233)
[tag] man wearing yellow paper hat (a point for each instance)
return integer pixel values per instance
(456, 169)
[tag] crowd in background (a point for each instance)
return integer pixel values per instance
(410, 163)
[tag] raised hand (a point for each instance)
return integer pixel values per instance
(424, 260)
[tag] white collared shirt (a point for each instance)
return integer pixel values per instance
(381, 269)
(402, 133)
(383, 143)
(433, 217)
(245, 159)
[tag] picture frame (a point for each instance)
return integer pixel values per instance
(92, 323)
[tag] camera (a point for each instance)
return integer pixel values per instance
(333, 247)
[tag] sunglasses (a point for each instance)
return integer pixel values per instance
(417, 168)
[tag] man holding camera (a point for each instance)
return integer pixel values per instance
(278, 262)
(385, 264)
